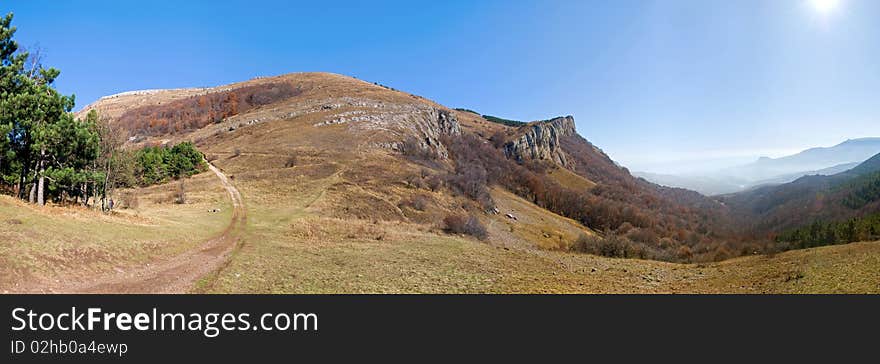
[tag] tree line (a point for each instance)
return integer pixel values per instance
(831, 233)
(631, 221)
(44, 151)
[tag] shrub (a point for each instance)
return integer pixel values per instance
(645, 236)
(465, 224)
(159, 164)
(236, 153)
(130, 201)
(416, 152)
(180, 194)
(417, 202)
(498, 139)
(434, 183)
(290, 162)
(613, 246)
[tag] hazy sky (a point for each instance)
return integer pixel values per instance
(659, 85)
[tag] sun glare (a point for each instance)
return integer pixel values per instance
(825, 6)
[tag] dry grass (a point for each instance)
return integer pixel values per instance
(336, 222)
(569, 179)
(74, 243)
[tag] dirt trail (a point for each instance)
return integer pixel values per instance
(177, 274)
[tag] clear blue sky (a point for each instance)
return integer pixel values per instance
(653, 83)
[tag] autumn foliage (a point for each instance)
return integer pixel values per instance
(198, 111)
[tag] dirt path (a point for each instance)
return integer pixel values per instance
(180, 273)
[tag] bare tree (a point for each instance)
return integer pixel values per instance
(111, 160)
(35, 60)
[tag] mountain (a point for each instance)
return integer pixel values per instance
(770, 171)
(845, 195)
(840, 168)
(850, 151)
(333, 184)
(383, 151)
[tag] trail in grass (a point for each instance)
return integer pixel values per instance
(177, 274)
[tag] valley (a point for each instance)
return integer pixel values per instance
(348, 187)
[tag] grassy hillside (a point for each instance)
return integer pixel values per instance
(337, 202)
(42, 248)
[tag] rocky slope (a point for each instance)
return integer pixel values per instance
(384, 117)
(540, 140)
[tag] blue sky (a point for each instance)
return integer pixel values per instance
(661, 85)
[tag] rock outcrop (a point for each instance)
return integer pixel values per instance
(540, 141)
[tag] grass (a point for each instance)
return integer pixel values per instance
(52, 243)
(333, 223)
(298, 241)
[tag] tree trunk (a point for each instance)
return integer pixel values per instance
(32, 197)
(85, 193)
(106, 187)
(42, 183)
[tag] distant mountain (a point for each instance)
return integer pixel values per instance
(840, 168)
(814, 159)
(869, 166)
(845, 195)
(774, 171)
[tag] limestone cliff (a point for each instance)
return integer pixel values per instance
(540, 141)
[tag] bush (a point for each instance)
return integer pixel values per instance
(417, 202)
(290, 162)
(159, 164)
(613, 246)
(434, 182)
(416, 152)
(180, 194)
(130, 201)
(465, 224)
(498, 139)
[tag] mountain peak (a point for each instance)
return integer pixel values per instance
(861, 141)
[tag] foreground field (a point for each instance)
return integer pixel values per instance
(289, 248)
(297, 241)
(47, 249)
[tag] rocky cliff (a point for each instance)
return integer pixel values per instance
(540, 141)
(430, 125)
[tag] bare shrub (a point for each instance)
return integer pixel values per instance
(417, 202)
(130, 201)
(434, 183)
(465, 224)
(290, 162)
(212, 157)
(645, 236)
(416, 152)
(613, 246)
(414, 181)
(684, 253)
(498, 139)
(236, 153)
(180, 193)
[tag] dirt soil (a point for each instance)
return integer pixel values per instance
(179, 273)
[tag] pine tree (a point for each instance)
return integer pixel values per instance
(44, 151)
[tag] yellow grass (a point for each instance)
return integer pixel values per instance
(44, 244)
